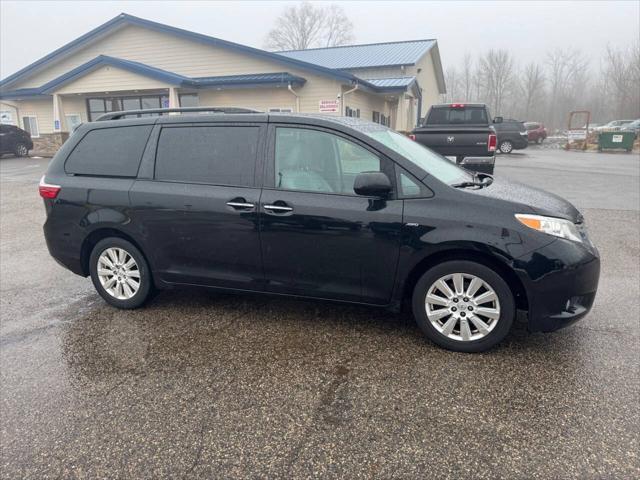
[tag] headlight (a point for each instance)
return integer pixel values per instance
(557, 227)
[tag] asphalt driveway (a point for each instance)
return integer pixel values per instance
(205, 385)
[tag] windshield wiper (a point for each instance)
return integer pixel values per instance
(480, 180)
(468, 184)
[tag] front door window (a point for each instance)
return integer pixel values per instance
(317, 161)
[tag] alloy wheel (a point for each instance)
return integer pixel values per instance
(21, 150)
(118, 273)
(506, 147)
(462, 307)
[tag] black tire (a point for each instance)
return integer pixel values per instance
(21, 150)
(146, 282)
(506, 146)
(505, 297)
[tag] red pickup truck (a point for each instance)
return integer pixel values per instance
(535, 131)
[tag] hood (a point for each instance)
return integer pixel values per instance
(535, 200)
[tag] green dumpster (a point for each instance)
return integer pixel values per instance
(611, 140)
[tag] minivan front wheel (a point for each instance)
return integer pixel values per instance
(506, 146)
(463, 306)
(120, 273)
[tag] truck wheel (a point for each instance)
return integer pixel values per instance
(463, 306)
(506, 146)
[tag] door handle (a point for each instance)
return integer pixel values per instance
(277, 208)
(240, 204)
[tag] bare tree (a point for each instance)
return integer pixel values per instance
(497, 69)
(532, 86)
(622, 70)
(466, 78)
(338, 29)
(306, 25)
(548, 92)
(451, 81)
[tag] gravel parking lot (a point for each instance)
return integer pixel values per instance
(206, 385)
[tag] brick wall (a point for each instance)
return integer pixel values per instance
(47, 144)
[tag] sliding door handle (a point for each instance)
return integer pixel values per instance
(240, 204)
(277, 208)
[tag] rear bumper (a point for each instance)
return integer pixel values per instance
(63, 250)
(520, 142)
(561, 280)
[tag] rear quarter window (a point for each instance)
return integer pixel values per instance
(110, 152)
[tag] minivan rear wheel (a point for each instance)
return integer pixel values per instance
(463, 306)
(120, 273)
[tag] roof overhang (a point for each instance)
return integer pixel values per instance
(277, 79)
(125, 19)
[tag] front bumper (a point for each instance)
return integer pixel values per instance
(561, 280)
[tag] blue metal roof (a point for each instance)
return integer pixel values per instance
(283, 78)
(392, 82)
(124, 18)
(278, 78)
(337, 58)
(364, 56)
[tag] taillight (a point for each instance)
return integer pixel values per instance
(412, 137)
(47, 190)
(457, 105)
(492, 142)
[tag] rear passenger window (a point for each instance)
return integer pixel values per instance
(215, 155)
(111, 152)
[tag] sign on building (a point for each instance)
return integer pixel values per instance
(329, 106)
(6, 117)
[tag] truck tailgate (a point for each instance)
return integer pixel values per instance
(468, 142)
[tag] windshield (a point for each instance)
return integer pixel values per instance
(428, 160)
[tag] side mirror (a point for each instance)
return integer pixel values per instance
(372, 184)
(498, 120)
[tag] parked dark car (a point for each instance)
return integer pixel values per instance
(458, 130)
(632, 127)
(14, 140)
(512, 135)
(327, 208)
(536, 132)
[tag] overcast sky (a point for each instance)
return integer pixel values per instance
(30, 29)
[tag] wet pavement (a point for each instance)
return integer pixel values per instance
(206, 385)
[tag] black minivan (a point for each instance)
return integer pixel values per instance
(318, 207)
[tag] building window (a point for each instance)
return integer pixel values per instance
(73, 121)
(281, 110)
(30, 124)
(189, 100)
(376, 117)
(99, 106)
(352, 112)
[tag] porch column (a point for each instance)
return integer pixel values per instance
(58, 114)
(174, 100)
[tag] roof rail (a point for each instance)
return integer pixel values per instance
(125, 113)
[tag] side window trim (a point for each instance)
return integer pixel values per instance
(268, 172)
(260, 154)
